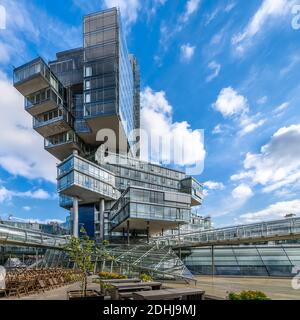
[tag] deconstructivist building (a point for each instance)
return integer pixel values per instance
(78, 102)
(73, 101)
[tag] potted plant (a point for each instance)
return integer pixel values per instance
(81, 251)
(248, 295)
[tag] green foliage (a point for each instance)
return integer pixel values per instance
(248, 295)
(81, 251)
(111, 275)
(145, 277)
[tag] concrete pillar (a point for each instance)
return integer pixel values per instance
(128, 240)
(75, 217)
(101, 216)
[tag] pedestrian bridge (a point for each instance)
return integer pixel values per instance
(284, 229)
(30, 238)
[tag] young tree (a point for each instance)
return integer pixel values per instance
(82, 251)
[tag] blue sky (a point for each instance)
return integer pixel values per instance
(228, 67)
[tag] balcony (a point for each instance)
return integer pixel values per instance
(31, 77)
(35, 76)
(42, 101)
(61, 145)
(194, 188)
(78, 177)
(53, 122)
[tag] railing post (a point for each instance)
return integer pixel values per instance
(212, 261)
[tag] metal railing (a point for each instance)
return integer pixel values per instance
(30, 238)
(283, 229)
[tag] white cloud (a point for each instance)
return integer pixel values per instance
(213, 185)
(215, 68)
(187, 51)
(21, 148)
(29, 25)
(282, 107)
(26, 208)
(278, 163)
(7, 195)
(233, 105)
(249, 124)
(129, 9)
(269, 11)
(241, 176)
(230, 103)
(190, 8)
(275, 211)
(242, 192)
(156, 120)
(262, 100)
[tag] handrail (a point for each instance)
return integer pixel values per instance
(262, 230)
(27, 237)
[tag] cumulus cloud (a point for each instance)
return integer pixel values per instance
(215, 70)
(187, 51)
(278, 163)
(270, 11)
(213, 185)
(170, 141)
(274, 211)
(230, 103)
(7, 195)
(242, 192)
(21, 148)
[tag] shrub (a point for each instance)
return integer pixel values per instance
(248, 295)
(111, 275)
(145, 277)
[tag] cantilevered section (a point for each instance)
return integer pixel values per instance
(151, 210)
(62, 145)
(191, 186)
(53, 122)
(32, 77)
(108, 78)
(78, 177)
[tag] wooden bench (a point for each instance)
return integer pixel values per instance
(116, 291)
(170, 294)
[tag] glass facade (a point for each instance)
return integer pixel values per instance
(141, 203)
(250, 260)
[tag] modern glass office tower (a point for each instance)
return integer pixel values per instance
(104, 184)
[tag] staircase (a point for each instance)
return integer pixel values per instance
(160, 261)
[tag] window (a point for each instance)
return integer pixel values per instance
(87, 98)
(88, 71)
(87, 84)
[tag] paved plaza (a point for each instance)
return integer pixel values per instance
(276, 289)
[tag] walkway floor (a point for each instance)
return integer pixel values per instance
(276, 289)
